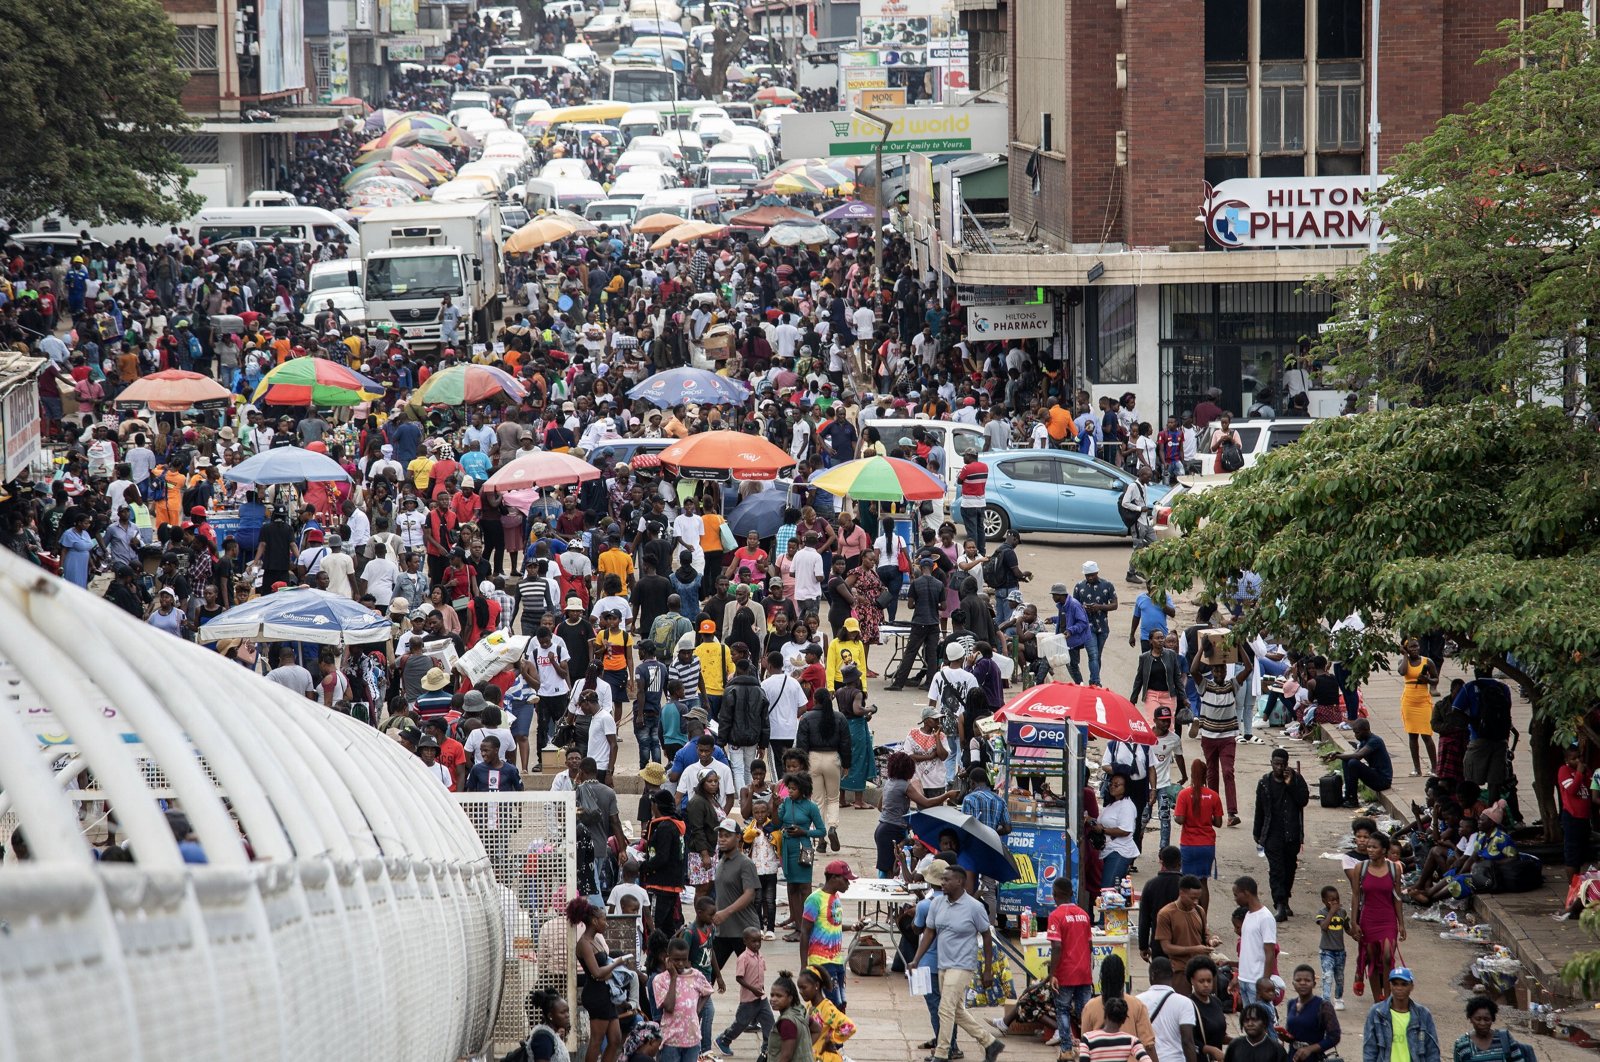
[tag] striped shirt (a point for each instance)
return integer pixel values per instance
(689, 675)
(1219, 709)
(1097, 1045)
(986, 806)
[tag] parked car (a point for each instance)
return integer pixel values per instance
(1256, 437)
(1054, 491)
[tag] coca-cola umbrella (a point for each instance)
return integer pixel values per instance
(1106, 714)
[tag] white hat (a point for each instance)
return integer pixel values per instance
(728, 826)
(468, 481)
(399, 604)
(954, 652)
(1091, 568)
(486, 587)
(574, 603)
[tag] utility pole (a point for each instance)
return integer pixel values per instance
(877, 190)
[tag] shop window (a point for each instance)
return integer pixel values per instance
(1110, 327)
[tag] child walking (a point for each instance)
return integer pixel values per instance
(1335, 924)
(750, 971)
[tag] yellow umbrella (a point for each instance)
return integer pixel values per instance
(656, 224)
(688, 232)
(537, 233)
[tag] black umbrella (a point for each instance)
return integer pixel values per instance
(761, 513)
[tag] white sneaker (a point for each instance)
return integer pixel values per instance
(1344, 726)
(769, 935)
(1338, 1004)
(999, 1026)
(1054, 1041)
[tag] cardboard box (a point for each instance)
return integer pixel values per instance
(1214, 650)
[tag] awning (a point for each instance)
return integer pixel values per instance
(286, 126)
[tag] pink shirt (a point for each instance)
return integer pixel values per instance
(752, 968)
(680, 1026)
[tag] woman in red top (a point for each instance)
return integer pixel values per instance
(1199, 812)
(457, 582)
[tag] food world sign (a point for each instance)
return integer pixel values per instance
(933, 130)
(1267, 212)
(1010, 322)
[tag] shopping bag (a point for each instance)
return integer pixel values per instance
(919, 980)
(998, 973)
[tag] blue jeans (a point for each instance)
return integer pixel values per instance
(892, 578)
(1002, 607)
(1095, 647)
(836, 972)
(1332, 974)
(1247, 994)
(678, 1054)
(648, 734)
(1070, 1001)
(1114, 867)
(707, 1017)
(972, 520)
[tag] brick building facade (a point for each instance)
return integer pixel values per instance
(1122, 111)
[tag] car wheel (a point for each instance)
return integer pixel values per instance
(995, 523)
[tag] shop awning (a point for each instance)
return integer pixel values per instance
(282, 125)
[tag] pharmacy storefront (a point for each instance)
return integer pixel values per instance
(1167, 326)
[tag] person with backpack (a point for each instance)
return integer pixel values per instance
(1227, 447)
(1003, 574)
(1485, 1043)
(1486, 702)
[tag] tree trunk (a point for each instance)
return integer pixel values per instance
(725, 49)
(1546, 757)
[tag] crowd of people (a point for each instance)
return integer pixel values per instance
(741, 664)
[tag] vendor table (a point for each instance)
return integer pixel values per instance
(878, 902)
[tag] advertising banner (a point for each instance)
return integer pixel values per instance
(338, 65)
(1011, 322)
(1270, 212)
(1041, 856)
(879, 98)
(23, 443)
(402, 15)
(935, 130)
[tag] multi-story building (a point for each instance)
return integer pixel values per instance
(1125, 115)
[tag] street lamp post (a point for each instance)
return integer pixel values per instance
(1373, 129)
(877, 191)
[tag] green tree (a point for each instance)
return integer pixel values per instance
(1490, 281)
(1479, 521)
(92, 105)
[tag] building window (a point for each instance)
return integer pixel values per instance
(320, 58)
(1227, 109)
(1339, 99)
(197, 47)
(1110, 326)
(197, 149)
(1283, 108)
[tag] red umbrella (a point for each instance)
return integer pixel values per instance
(1107, 715)
(646, 461)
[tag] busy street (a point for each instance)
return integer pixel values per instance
(705, 533)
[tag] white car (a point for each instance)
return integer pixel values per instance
(605, 26)
(348, 301)
(1256, 437)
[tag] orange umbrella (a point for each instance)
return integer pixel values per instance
(656, 224)
(718, 454)
(172, 391)
(688, 232)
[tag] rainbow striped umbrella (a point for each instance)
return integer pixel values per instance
(465, 384)
(880, 479)
(312, 381)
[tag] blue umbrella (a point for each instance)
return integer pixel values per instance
(982, 850)
(301, 614)
(761, 513)
(689, 385)
(287, 464)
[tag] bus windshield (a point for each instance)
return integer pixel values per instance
(413, 277)
(642, 85)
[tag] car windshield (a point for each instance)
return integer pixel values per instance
(740, 175)
(611, 212)
(413, 277)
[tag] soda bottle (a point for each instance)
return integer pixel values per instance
(1027, 923)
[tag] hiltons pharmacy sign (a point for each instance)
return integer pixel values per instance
(1275, 212)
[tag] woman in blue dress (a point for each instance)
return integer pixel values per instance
(76, 544)
(802, 825)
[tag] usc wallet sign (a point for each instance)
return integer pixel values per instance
(1259, 213)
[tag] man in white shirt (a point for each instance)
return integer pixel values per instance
(785, 698)
(360, 529)
(800, 432)
(787, 338)
(1258, 938)
(1173, 1016)
(379, 575)
(706, 763)
(687, 529)
(602, 736)
(340, 568)
(808, 573)
(863, 320)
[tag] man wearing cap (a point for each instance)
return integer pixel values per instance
(1399, 1029)
(1099, 599)
(339, 567)
(1280, 827)
(1072, 623)
(973, 478)
(822, 928)
(736, 884)
(956, 921)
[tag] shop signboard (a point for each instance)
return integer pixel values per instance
(934, 130)
(338, 65)
(1041, 856)
(877, 99)
(23, 444)
(405, 49)
(1011, 321)
(366, 14)
(878, 9)
(402, 16)
(1259, 213)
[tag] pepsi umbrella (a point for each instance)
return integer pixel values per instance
(689, 385)
(981, 849)
(287, 464)
(300, 614)
(761, 513)
(855, 210)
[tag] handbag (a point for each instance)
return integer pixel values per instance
(725, 537)
(807, 856)
(885, 599)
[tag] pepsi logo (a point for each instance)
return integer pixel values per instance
(1028, 732)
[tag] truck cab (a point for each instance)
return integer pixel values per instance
(417, 255)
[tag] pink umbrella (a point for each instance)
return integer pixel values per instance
(541, 469)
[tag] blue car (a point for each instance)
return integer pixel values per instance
(1054, 490)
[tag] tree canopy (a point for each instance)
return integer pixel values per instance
(1490, 282)
(1481, 522)
(93, 103)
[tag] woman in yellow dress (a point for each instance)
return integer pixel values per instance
(1421, 684)
(829, 1026)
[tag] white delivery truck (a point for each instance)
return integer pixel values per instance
(416, 255)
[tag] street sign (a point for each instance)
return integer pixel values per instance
(934, 130)
(1010, 321)
(876, 99)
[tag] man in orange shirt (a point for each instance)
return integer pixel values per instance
(1059, 423)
